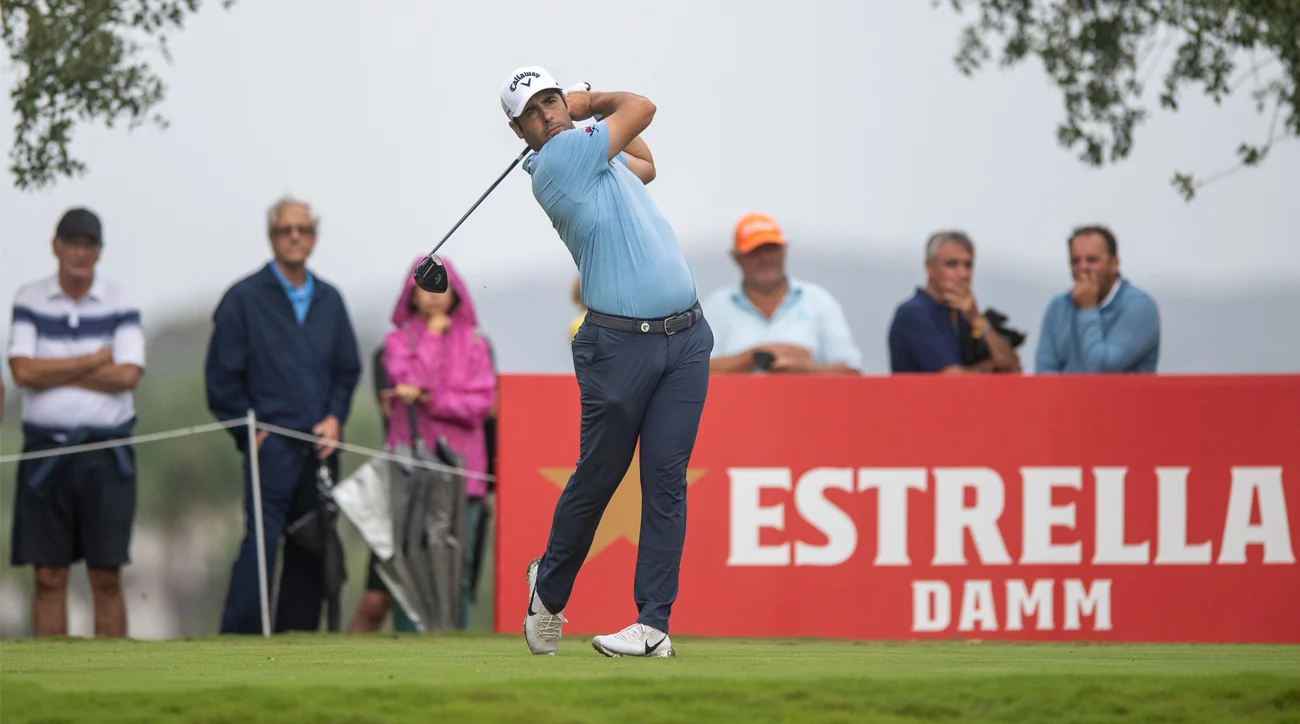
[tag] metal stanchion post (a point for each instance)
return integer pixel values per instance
(257, 521)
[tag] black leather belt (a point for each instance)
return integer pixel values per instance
(664, 325)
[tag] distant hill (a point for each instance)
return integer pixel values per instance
(526, 317)
(1203, 331)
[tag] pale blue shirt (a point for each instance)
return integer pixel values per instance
(808, 316)
(628, 258)
(300, 298)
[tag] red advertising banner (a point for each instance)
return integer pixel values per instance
(1120, 508)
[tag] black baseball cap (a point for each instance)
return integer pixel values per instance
(80, 222)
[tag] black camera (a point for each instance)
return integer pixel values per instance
(998, 321)
(974, 351)
(763, 360)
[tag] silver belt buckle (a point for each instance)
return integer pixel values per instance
(669, 320)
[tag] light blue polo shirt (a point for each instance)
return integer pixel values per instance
(808, 316)
(628, 258)
(300, 298)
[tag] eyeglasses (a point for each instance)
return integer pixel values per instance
(304, 229)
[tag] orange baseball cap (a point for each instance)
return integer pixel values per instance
(755, 230)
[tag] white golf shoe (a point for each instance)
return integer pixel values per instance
(635, 640)
(541, 627)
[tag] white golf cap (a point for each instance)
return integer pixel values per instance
(522, 85)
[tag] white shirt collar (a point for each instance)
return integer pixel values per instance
(54, 291)
(1114, 289)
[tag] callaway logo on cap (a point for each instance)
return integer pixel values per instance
(523, 84)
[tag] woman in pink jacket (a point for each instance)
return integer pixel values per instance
(437, 362)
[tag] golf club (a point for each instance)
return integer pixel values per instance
(430, 274)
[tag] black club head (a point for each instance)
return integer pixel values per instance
(431, 275)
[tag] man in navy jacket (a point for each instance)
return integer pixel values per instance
(283, 346)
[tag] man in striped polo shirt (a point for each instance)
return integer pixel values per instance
(77, 351)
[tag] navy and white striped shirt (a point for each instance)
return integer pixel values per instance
(48, 324)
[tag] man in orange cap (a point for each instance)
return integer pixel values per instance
(771, 321)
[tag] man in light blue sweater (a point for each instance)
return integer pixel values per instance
(1105, 324)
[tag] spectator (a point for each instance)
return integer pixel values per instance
(77, 351)
(932, 331)
(441, 365)
(1103, 324)
(773, 322)
(282, 345)
(576, 296)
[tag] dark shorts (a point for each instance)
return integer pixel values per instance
(84, 511)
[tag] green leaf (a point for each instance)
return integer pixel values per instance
(1099, 54)
(82, 61)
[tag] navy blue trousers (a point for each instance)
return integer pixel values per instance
(646, 386)
(288, 479)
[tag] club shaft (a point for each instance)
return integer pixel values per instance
(500, 178)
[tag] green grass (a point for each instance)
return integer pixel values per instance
(493, 678)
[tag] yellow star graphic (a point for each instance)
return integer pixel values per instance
(622, 517)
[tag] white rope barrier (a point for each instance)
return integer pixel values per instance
(253, 425)
(151, 437)
(275, 429)
(381, 454)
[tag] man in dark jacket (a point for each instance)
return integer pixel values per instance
(283, 346)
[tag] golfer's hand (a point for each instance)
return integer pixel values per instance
(579, 104)
(261, 438)
(328, 429)
(1086, 292)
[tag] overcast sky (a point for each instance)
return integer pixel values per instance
(845, 120)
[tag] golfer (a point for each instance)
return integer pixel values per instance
(641, 354)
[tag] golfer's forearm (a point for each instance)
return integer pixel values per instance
(607, 104)
(637, 148)
(639, 160)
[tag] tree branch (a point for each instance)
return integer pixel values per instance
(1102, 53)
(79, 62)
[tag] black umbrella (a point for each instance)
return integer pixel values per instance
(317, 531)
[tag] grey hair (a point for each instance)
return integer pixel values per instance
(273, 213)
(938, 239)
